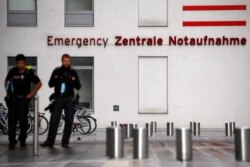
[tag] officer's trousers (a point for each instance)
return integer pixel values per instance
(60, 104)
(18, 112)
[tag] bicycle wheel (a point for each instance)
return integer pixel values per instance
(93, 123)
(84, 125)
(4, 123)
(18, 130)
(43, 124)
(61, 126)
(4, 129)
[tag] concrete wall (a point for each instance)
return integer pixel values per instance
(209, 84)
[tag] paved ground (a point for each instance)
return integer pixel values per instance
(208, 151)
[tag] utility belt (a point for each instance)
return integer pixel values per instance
(9, 100)
(19, 96)
(64, 96)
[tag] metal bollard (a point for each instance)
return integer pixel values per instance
(191, 127)
(35, 134)
(114, 142)
(113, 123)
(140, 143)
(233, 127)
(152, 127)
(125, 132)
(199, 128)
(229, 128)
(149, 129)
(195, 128)
(183, 144)
(155, 126)
(226, 129)
(129, 130)
(242, 144)
(170, 129)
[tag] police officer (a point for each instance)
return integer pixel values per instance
(64, 79)
(19, 93)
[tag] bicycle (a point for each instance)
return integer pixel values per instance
(85, 115)
(82, 126)
(43, 123)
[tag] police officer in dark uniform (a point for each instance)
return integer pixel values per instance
(19, 93)
(64, 79)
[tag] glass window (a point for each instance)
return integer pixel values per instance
(79, 13)
(79, 5)
(22, 5)
(22, 13)
(85, 69)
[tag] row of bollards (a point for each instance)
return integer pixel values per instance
(229, 128)
(115, 141)
(195, 128)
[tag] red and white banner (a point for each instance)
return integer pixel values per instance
(214, 13)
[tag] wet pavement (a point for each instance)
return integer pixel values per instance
(90, 150)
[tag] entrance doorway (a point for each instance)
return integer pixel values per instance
(85, 69)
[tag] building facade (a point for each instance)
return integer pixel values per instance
(138, 60)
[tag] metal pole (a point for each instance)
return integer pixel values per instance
(191, 127)
(199, 128)
(231, 129)
(125, 132)
(148, 127)
(129, 130)
(194, 128)
(152, 127)
(136, 125)
(168, 128)
(184, 144)
(35, 133)
(226, 129)
(172, 129)
(114, 142)
(155, 126)
(140, 143)
(242, 144)
(113, 123)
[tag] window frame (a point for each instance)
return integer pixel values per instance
(92, 12)
(151, 25)
(34, 12)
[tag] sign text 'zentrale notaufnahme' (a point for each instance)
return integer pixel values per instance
(146, 41)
